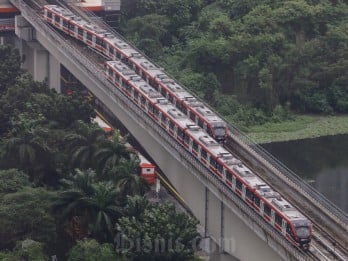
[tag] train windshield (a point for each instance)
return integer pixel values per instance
(219, 131)
(303, 232)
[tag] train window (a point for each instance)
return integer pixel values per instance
(65, 23)
(204, 154)
(219, 167)
(142, 100)
(278, 219)
(288, 229)
(229, 176)
(249, 194)
(200, 122)
(111, 50)
(195, 146)
(257, 201)
(136, 95)
(150, 107)
(180, 133)
(267, 210)
(89, 36)
(163, 92)
(56, 18)
(183, 109)
(128, 88)
(49, 15)
(117, 77)
(155, 111)
(239, 185)
(99, 41)
(80, 31)
(103, 44)
(163, 119)
(186, 139)
(171, 126)
(192, 116)
(212, 162)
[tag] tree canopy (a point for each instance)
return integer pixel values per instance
(47, 207)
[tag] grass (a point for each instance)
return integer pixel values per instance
(303, 127)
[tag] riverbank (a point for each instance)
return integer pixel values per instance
(303, 127)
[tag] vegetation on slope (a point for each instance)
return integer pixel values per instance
(254, 61)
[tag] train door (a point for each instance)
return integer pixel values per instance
(243, 191)
(175, 131)
(262, 207)
(84, 36)
(272, 216)
(107, 49)
(234, 183)
(94, 41)
(284, 224)
(190, 145)
(223, 174)
(205, 126)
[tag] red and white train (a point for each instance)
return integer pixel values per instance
(116, 48)
(230, 170)
(268, 203)
(146, 169)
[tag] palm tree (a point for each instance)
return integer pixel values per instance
(27, 148)
(127, 179)
(110, 152)
(93, 203)
(84, 143)
(104, 210)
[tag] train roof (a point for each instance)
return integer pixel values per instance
(204, 111)
(8, 8)
(182, 120)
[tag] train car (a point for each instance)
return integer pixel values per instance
(231, 171)
(116, 48)
(7, 18)
(147, 170)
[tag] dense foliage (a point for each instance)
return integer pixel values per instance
(64, 182)
(252, 60)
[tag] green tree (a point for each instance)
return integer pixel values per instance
(26, 214)
(12, 180)
(127, 179)
(95, 202)
(110, 152)
(91, 250)
(160, 234)
(9, 66)
(83, 144)
(27, 148)
(25, 250)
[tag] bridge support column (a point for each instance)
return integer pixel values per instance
(54, 74)
(36, 59)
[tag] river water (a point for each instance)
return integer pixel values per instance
(322, 162)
